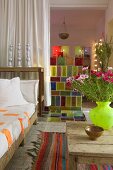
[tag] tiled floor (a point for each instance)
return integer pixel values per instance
(20, 160)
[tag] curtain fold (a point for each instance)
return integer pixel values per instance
(25, 36)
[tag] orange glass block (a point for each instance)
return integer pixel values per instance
(55, 93)
(60, 86)
(69, 61)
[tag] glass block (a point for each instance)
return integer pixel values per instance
(60, 86)
(53, 100)
(79, 61)
(65, 93)
(79, 50)
(55, 93)
(61, 61)
(63, 79)
(65, 50)
(55, 51)
(74, 70)
(57, 100)
(78, 101)
(53, 71)
(64, 71)
(73, 101)
(52, 61)
(68, 101)
(69, 61)
(80, 69)
(75, 93)
(55, 79)
(69, 71)
(62, 100)
(59, 71)
(53, 85)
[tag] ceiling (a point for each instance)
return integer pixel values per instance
(77, 18)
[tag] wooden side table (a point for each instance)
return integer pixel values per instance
(83, 150)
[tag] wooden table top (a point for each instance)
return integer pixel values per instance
(80, 144)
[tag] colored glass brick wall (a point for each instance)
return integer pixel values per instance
(63, 97)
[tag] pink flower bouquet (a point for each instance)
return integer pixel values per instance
(96, 86)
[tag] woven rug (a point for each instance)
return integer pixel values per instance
(50, 152)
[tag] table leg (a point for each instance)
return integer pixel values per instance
(72, 162)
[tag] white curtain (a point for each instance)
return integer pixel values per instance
(24, 36)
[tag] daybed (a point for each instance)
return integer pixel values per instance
(19, 107)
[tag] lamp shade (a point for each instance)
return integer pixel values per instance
(63, 35)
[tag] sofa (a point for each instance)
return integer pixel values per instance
(19, 105)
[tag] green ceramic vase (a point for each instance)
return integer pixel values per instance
(102, 115)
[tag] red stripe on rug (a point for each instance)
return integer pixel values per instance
(42, 151)
(54, 153)
(60, 153)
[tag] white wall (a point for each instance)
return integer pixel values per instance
(109, 26)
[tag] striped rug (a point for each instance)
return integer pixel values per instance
(53, 153)
(50, 152)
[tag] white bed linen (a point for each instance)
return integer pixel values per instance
(29, 108)
(3, 144)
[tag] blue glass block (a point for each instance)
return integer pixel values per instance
(63, 79)
(57, 100)
(76, 93)
(53, 85)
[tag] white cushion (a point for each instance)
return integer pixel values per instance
(29, 89)
(10, 93)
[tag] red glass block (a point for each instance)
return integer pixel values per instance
(62, 100)
(55, 51)
(60, 54)
(52, 61)
(55, 79)
(79, 61)
(59, 71)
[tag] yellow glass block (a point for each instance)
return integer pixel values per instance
(53, 71)
(78, 50)
(64, 71)
(68, 101)
(65, 50)
(60, 86)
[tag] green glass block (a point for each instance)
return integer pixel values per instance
(53, 100)
(68, 101)
(69, 71)
(53, 71)
(61, 61)
(60, 86)
(74, 70)
(64, 71)
(78, 101)
(65, 93)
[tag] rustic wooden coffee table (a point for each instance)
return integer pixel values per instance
(83, 150)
